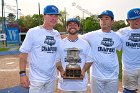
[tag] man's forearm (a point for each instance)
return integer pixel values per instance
(23, 61)
(59, 66)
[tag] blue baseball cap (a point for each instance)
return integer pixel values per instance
(52, 10)
(133, 14)
(108, 13)
(73, 20)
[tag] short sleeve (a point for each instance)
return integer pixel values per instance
(27, 43)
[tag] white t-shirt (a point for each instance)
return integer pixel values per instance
(41, 46)
(104, 47)
(85, 50)
(131, 48)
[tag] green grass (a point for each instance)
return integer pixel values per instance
(119, 53)
(3, 49)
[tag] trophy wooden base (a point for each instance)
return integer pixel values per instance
(73, 73)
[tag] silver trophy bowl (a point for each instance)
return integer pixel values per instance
(73, 57)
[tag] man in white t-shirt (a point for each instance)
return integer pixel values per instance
(73, 41)
(40, 47)
(104, 42)
(130, 37)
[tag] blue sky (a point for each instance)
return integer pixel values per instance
(75, 7)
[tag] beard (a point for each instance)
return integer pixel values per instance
(72, 33)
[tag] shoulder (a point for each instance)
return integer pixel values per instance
(36, 28)
(91, 33)
(114, 34)
(123, 31)
(56, 33)
(63, 41)
(32, 31)
(83, 42)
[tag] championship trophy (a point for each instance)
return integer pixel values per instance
(73, 70)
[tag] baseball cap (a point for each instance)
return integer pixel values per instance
(51, 9)
(133, 14)
(108, 13)
(73, 20)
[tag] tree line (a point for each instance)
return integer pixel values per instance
(90, 23)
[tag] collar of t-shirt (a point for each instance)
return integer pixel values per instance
(46, 29)
(73, 40)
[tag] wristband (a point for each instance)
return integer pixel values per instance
(23, 74)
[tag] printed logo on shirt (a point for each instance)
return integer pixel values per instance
(107, 42)
(135, 41)
(48, 43)
(49, 40)
(135, 37)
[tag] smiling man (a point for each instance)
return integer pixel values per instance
(72, 41)
(40, 47)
